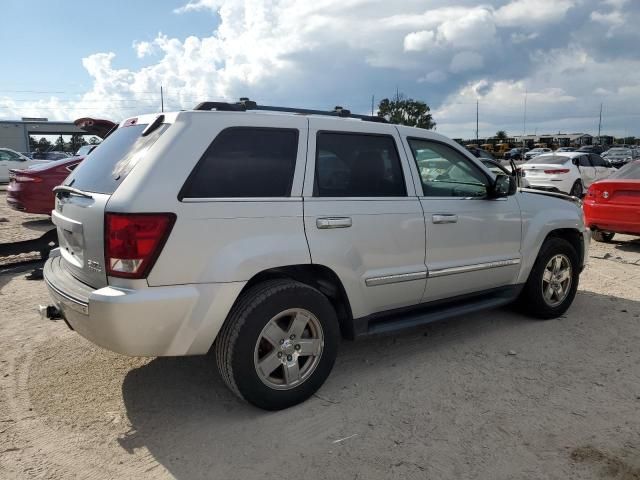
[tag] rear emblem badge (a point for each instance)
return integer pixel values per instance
(93, 265)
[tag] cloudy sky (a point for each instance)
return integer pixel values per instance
(64, 60)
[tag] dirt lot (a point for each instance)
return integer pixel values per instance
(490, 396)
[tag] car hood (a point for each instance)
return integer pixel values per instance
(563, 196)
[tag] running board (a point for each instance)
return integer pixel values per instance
(435, 311)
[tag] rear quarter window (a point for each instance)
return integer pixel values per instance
(104, 168)
(245, 162)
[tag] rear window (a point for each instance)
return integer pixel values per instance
(245, 162)
(550, 159)
(106, 166)
(631, 171)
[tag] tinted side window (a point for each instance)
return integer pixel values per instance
(583, 161)
(597, 161)
(357, 165)
(245, 162)
(445, 172)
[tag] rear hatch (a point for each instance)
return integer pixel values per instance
(546, 166)
(81, 200)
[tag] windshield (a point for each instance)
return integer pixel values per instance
(113, 159)
(550, 159)
(631, 171)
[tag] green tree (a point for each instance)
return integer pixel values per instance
(60, 144)
(77, 141)
(501, 135)
(406, 111)
(44, 145)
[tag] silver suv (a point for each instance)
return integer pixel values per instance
(264, 235)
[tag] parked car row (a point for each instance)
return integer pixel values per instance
(31, 186)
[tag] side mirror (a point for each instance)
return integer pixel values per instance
(503, 186)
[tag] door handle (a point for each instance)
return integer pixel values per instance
(444, 218)
(333, 222)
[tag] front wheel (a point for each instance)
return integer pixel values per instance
(599, 236)
(278, 345)
(553, 281)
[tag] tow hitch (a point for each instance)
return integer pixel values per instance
(50, 311)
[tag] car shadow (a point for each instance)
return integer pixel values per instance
(629, 245)
(183, 414)
(39, 225)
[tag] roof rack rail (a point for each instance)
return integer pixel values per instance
(245, 104)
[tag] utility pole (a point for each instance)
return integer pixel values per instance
(600, 126)
(161, 99)
(477, 122)
(524, 121)
(372, 102)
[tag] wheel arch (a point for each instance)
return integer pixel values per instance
(321, 278)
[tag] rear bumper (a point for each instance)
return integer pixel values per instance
(152, 321)
(613, 218)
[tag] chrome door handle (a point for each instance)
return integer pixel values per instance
(444, 218)
(333, 222)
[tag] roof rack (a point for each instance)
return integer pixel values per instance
(245, 104)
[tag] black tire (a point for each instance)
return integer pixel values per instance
(532, 301)
(576, 189)
(236, 342)
(600, 236)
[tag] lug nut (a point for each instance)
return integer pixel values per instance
(279, 354)
(292, 337)
(297, 347)
(289, 358)
(281, 341)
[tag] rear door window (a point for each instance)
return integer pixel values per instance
(113, 159)
(357, 165)
(245, 162)
(597, 160)
(583, 161)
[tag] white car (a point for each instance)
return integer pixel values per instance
(567, 172)
(535, 152)
(11, 159)
(263, 236)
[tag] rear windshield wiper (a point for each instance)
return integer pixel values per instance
(70, 190)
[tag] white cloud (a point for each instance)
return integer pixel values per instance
(465, 61)
(530, 12)
(196, 5)
(143, 49)
(416, 41)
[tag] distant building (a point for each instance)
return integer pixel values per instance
(559, 139)
(15, 134)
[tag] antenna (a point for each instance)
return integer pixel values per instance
(161, 99)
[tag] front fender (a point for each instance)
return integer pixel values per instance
(541, 215)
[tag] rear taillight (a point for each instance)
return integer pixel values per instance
(557, 171)
(134, 241)
(26, 179)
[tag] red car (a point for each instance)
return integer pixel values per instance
(613, 205)
(31, 190)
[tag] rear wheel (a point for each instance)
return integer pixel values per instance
(576, 189)
(600, 236)
(278, 345)
(553, 281)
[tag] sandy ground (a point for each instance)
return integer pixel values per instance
(494, 395)
(16, 226)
